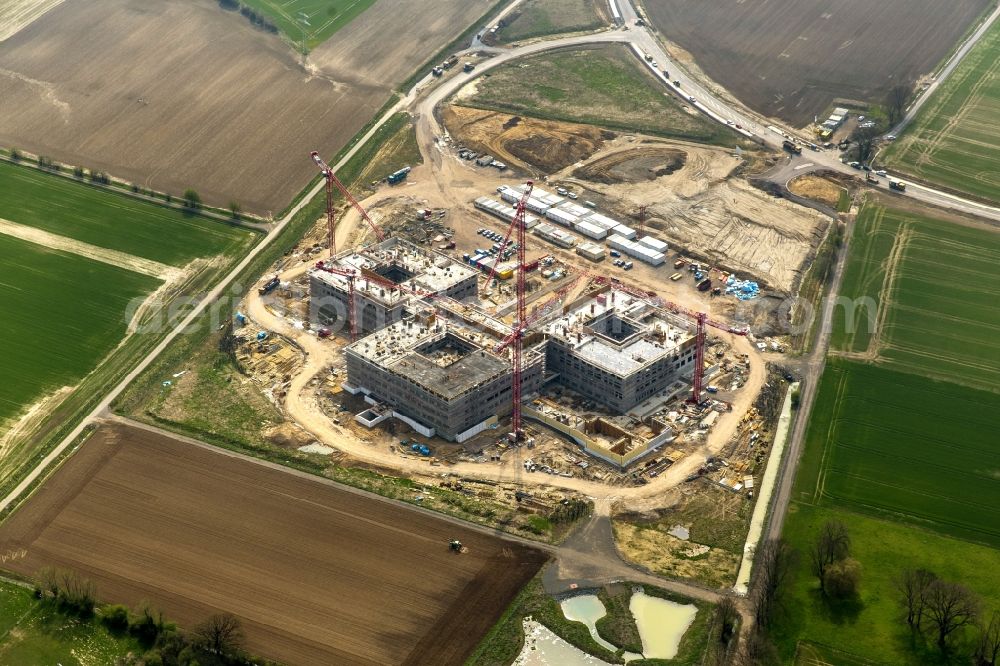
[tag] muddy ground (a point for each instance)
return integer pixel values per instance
(528, 144)
(792, 58)
(696, 203)
(318, 574)
(181, 93)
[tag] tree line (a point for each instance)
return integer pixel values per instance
(217, 641)
(256, 18)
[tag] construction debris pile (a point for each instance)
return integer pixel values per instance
(743, 290)
(268, 359)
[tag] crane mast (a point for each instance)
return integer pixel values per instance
(331, 180)
(516, 339)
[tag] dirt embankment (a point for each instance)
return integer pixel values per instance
(816, 188)
(644, 163)
(525, 143)
(695, 203)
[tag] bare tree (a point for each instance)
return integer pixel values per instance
(832, 544)
(988, 646)
(842, 578)
(950, 607)
(773, 564)
(912, 587)
(757, 650)
(865, 138)
(221, 634)
(896, 100)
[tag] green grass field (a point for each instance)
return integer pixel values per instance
(319, 19)
(537, 18)
(901, 445)
(113, 220)
(871, 630)
(32, 632)
(602, 85)
(953, 141)
(62, 314)
(932, 290)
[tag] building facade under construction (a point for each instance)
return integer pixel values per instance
(437, 368)
(386, 277)
(618, 349)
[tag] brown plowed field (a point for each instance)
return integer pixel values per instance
(180, 93)
(319, 574)
(792, 58)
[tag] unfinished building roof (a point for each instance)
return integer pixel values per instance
(619, 333)
(445, 357)
(396, 262)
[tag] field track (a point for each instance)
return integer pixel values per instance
(319, 574)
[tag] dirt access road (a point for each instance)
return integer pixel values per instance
(319, 574)
(301, 407)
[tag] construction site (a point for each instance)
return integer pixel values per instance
(514, 354)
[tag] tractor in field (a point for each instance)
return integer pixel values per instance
(456, 546)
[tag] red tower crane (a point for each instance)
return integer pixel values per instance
(350, 275)
(701, 321)
(516, 339)
(331, 180)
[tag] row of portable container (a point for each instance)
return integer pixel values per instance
(506, 213)
(555, 235)
(582, 220)
(636, 250)
(567, 214)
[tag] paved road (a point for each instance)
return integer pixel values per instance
(641, 39)
(812, 373)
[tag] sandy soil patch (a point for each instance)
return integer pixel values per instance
(700, 207)
(816, 188)
(528, 143)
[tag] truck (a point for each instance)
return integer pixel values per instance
(791, 147)
(269, 286)
(468, 67)
(450, 62)
(398, 176)
(897, 185)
